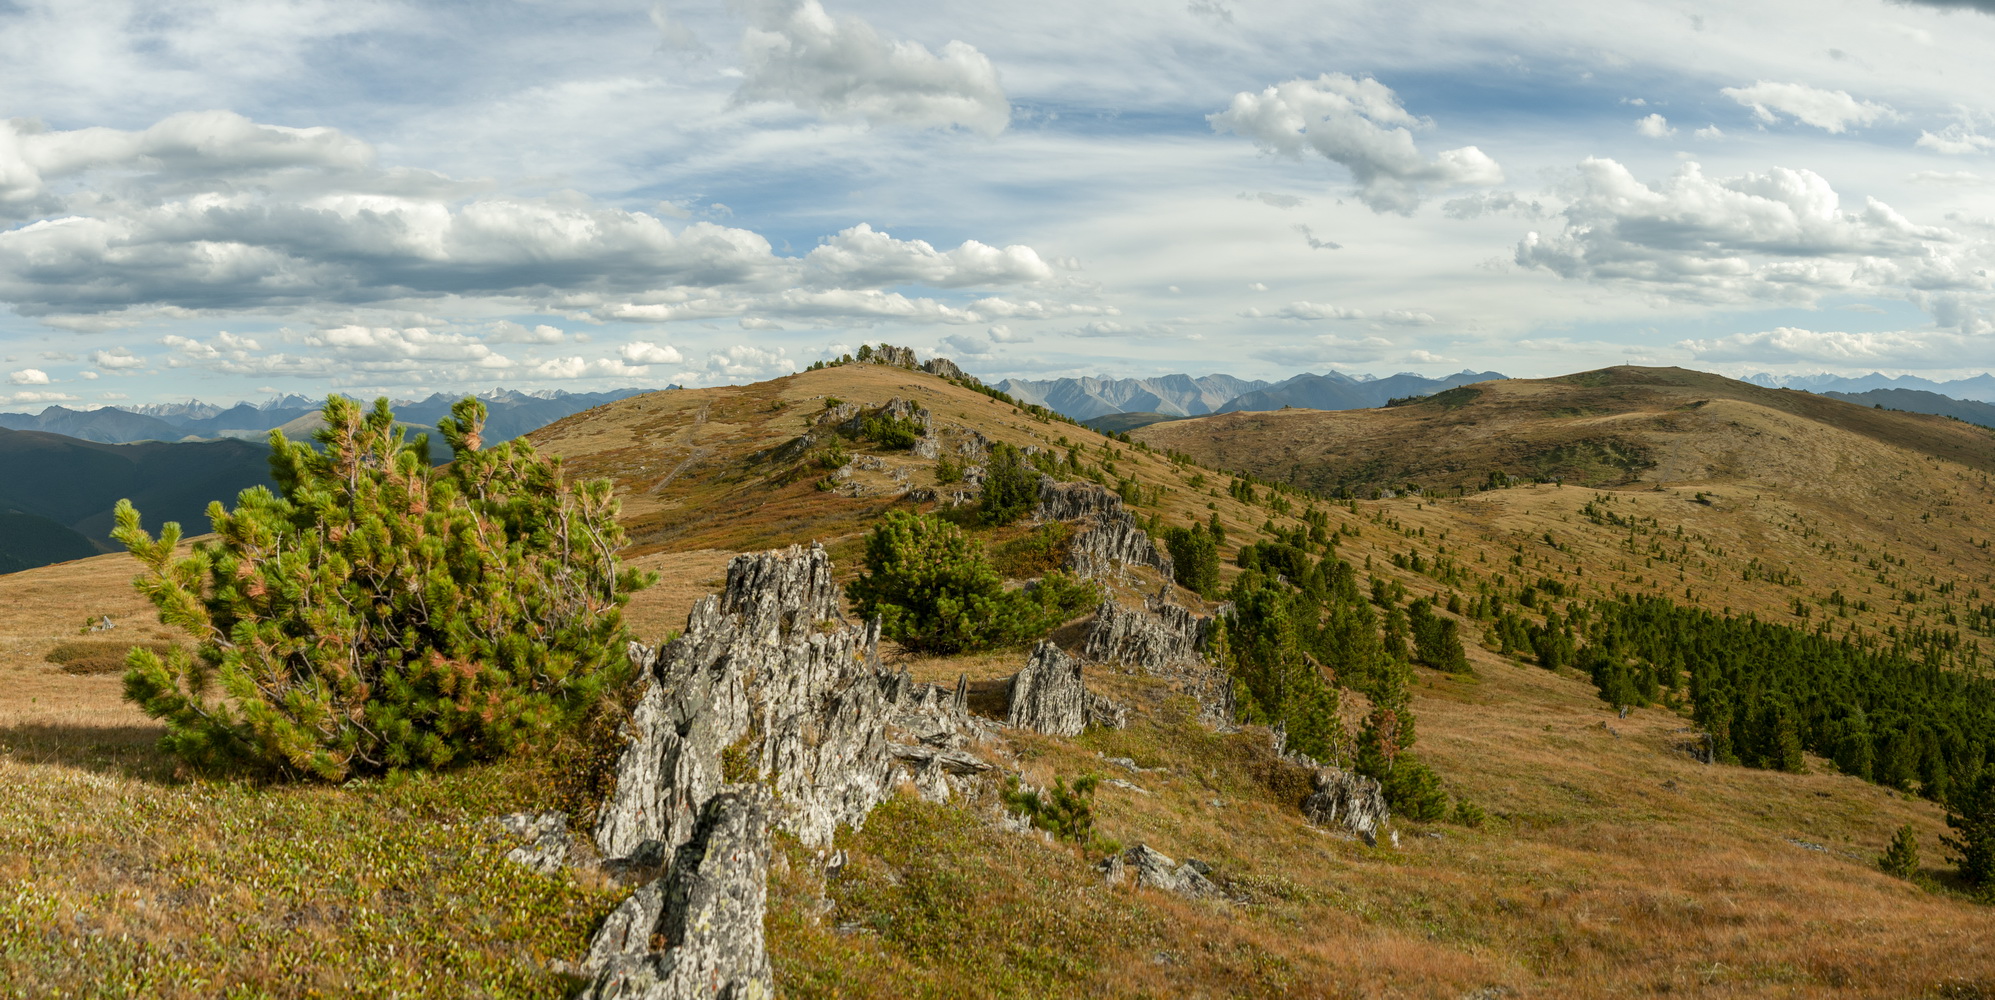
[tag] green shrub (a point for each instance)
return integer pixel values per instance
(1469, 814)
(891, 433)
(1437, 641)
(935, 591)
(1414, 791)
(1901, 858)
(1010, 488)
(382, 614)
(948, 471)
(1066, 813)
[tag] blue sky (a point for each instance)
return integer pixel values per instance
(225, 200)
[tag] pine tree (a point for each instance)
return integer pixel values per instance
(1972, 818)
(1195, 559)
(377, 613)
(935, 591)
(1901, 858)
(1010, 488)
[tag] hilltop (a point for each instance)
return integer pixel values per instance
(1610, 862)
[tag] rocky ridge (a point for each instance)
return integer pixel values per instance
(1109, 540)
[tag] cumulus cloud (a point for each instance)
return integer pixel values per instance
(1329, 350)
(1958, 139)
(1477, 205)
(1791, 344)
(116, 359)
(194, 142)
(1710, 132)
(840, 67)
(758, 323)
(1781, 236)
(1315, 243)
(745, 360)
(968, 345)
(639, 352)
(578, 367)
(38, 397)
(1361, 125)
(1274, 199)
(29, 376)
(862, 256)
(1829, 110)
(1655, 127)
(147, 242)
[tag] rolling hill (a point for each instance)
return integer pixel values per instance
(1610, 861)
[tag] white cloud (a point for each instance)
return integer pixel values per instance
(1790, 344)
(862, 256)
(673, 34)
(506, 331)
(1711, 132)
(1829, 110)
(1275, 200)
(1004, 335)
(29, 376)
(578, 367)
(1360, 124)
(88, 376)
(382, 343)
(745, 360)
(190, 143)
(1314, 311)
(840, 67)
(116, 359)
(639, 352)
(38, 397)
(1957, 139)
(968, 345)
(1655, 127)
(1475, 206)
(1780, 236)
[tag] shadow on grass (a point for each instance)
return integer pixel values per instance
(126, 750)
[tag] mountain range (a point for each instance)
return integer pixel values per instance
(1979, 387)
(510, 413)
(1171, 396)
(1921, 401)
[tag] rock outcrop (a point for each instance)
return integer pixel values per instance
(1108, 539)
(1155, 870)
(707, 914)
(1047, 695)
(1349, 800)
(544, 841)
(768, 690)
(1163, 640)
(947, 369)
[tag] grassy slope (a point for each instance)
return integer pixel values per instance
(1611, 866)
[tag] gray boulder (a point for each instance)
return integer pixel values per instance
(1047, 696)
(1155, 870)
(544, 841)
(1349, 800)
(947, 369)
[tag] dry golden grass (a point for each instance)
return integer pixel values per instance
(1611, 865)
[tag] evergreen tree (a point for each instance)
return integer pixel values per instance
(377, 613)
(1195, 559)
(1010, 488)
(1901, 858)
(1277, 681)
(1972, 818)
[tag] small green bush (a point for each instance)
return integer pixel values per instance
(891, 433)
(1469, 814)
(948, 471)
(1066, 813)
(1195, 559)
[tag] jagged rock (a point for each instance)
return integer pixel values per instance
(772, 650)
(544, 837)
(1163, 640)
(1110, 538)
(947, 369)
(896, 357)
(1048, 696)
(1104, 712)
(1702, 748)
(1155, 870)
(1156, 640)
(929, 447)
(1349, 799)
(707, 914)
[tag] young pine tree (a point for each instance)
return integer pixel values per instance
(377, 613)
(1901, 858)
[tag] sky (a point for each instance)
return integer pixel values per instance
(229, 200)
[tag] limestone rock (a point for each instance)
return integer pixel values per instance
(897, 357)
(1109, 538)
(1347, 799)
(1155, 870)
(708, 914)
(1104, 712)
(947, 369)
(1156, 640)
(1048, 696)
(544, 840)
(1701, 747)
